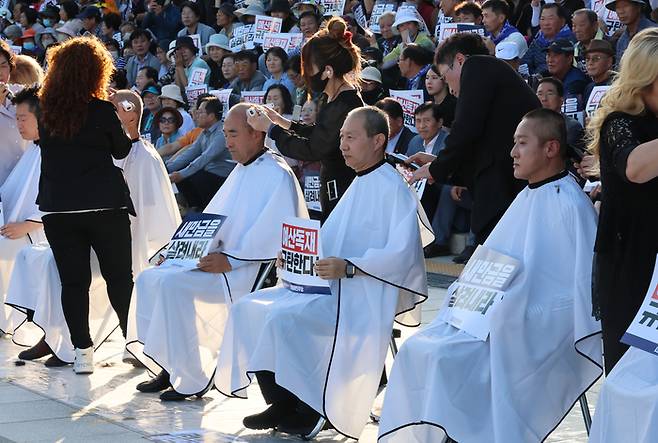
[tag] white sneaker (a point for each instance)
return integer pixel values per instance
(84, 361)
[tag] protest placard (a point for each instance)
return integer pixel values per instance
(573, 107)
(479, 291)
(240, 4)
(643, 331)
(301, 249)
(409, 100)
(276, 39)
(610, 18)
(380, 7)
(243, 38)
(594, 100)
(312, 192)
(255, 97)
(333, 7)
(445, 30)
(197, 77)
(265, 24)
(192, 92)
(196, 38)
(295, 41)
(16, 49)
(193, 239)
(224, 96)
(360, 16)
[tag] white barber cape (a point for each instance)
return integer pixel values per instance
(18, 196)
(181, 312)
(627, 408)
(329, 350)
(35, 282)
(544, 348)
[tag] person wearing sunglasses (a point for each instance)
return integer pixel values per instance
(599, 60)
(169, 121)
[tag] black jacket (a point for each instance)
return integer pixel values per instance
(492, 100)
(78, 173)
(321, 142)
(403, 142)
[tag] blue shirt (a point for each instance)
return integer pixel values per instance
(625, 38)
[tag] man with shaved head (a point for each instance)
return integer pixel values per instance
(180, 311)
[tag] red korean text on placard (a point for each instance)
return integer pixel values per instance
(298, 239)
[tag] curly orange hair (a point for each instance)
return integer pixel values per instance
(79, 71)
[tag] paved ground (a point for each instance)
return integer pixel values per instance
(55, 405)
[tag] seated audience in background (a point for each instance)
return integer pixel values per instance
(633, 15)
(429, 125)
(440, 95)
(560, 65)
(170, 97)
(495, 18)
(190, 14)
(468, 12)
(169, 121)
(151, 97)
(140, 42)
(371, 85)
(188, 63)
(275, 60)
(249, 78)
(552, 26)
(146, 76)
(550, 92)
(414, 62)
(201, 169)
(599, 60)
(229, 70)
(399, 135)
(586, 29)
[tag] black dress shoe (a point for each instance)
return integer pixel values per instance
(465, 255)
(435, 250)
(268, 419)
(39, 350)
(157, 384)
(172, 395)
(55, 362)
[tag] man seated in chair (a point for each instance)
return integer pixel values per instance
(321, 356)
(542, 348)
(181, 312)
(156, 221)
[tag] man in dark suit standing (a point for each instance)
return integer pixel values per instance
(399, 135)
(491, 100)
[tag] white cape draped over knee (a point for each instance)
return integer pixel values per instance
(181, 313)
(329, 350)
(18, 195)
(543, 350)
(35, 282)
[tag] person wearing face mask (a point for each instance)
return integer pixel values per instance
(371, 85)
(45, 38)
(49, 15)
(330, 63)
(27, 41)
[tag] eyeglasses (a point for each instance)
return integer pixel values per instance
(167, 120)
(595, 58)
(442, 75)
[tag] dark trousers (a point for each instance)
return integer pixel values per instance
(71, 237)
(199, 188)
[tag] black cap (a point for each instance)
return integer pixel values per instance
(90, 12)
(186, 42)
(227, 9)
(560, 46)
(280, 6)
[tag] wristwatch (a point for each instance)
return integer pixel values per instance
(350, 270)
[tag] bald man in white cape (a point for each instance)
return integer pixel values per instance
(322, 355)
(627, 408)
(20, 223)
(35, 283)
(543, 348)
(181, 312)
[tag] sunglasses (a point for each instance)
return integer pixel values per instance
(167, 120)
(595, 58)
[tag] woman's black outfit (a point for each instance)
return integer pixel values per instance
(627, 238)
(321, 142)
(88, 202)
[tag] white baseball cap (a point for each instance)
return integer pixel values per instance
(371, 74)
(507, 50)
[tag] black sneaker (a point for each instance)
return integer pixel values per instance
(465, 255)
(157, 384)
(39, 350)
(302, 422)
(55, 362)
(435, 250)
(268, 419)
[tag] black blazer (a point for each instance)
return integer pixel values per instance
(403, 142)
(492, 100)
(78, 173)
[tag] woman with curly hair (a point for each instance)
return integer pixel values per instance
(83, 193)
(331, 65)
(624, 135)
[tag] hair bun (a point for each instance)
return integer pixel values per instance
(336, 28)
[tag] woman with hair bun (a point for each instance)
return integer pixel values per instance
(331, 64)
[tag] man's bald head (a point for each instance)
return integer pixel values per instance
(242, 141)
(363, 137)
(125, 99)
